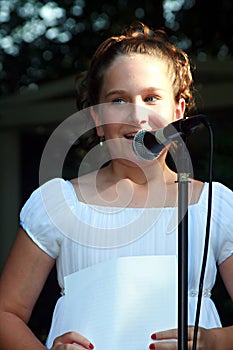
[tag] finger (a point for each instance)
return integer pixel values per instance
(164, 345)
(73, 337)
(168, 334)
(61, 346)
(190, 332)
(172, 334)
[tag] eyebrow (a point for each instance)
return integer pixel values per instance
(114, 92)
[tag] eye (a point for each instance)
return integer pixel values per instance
(151, 98)
(119, 101)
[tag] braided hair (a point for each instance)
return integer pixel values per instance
(137, 38)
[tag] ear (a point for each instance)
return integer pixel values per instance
(97, 121)
(180, 109)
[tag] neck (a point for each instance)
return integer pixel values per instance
(133, 186)
(143, 173)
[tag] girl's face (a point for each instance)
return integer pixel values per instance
(137, 94)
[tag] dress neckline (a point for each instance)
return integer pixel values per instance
(202, 194)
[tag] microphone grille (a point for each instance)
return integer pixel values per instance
(138, 146)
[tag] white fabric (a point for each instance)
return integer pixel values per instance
(79, 235)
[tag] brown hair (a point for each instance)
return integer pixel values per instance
(137, 38)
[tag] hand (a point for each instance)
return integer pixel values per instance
(167, 340)
(71, 341)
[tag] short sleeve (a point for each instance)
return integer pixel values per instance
(38, 216)
(222, 221)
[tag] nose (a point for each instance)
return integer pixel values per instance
(139, 113)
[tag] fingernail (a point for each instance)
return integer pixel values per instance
(153, 336)
(91, 346)
(152, 346)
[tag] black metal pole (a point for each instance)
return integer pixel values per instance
(183, 181)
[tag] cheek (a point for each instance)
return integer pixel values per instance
(110, 130)
(160, 119)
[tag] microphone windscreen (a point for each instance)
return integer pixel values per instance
(138, 146)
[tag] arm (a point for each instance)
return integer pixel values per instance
(226, 272)
(22, 280)
(224, 336)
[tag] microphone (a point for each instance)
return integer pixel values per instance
(149, 145)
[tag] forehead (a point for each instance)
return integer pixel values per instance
(136, 69)
(137, 60)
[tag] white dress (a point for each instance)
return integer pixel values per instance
(79, 235)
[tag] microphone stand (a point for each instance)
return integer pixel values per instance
(154, 143)
(182, 180)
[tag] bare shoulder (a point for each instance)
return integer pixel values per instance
(93, 187)
(85, 186)
(196, 190)
(84, 179)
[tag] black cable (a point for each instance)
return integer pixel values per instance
(206, 245)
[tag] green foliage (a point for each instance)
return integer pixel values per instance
(41, 40)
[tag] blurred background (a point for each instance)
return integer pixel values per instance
(44, 44)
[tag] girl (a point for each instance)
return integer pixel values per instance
(136, 81)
